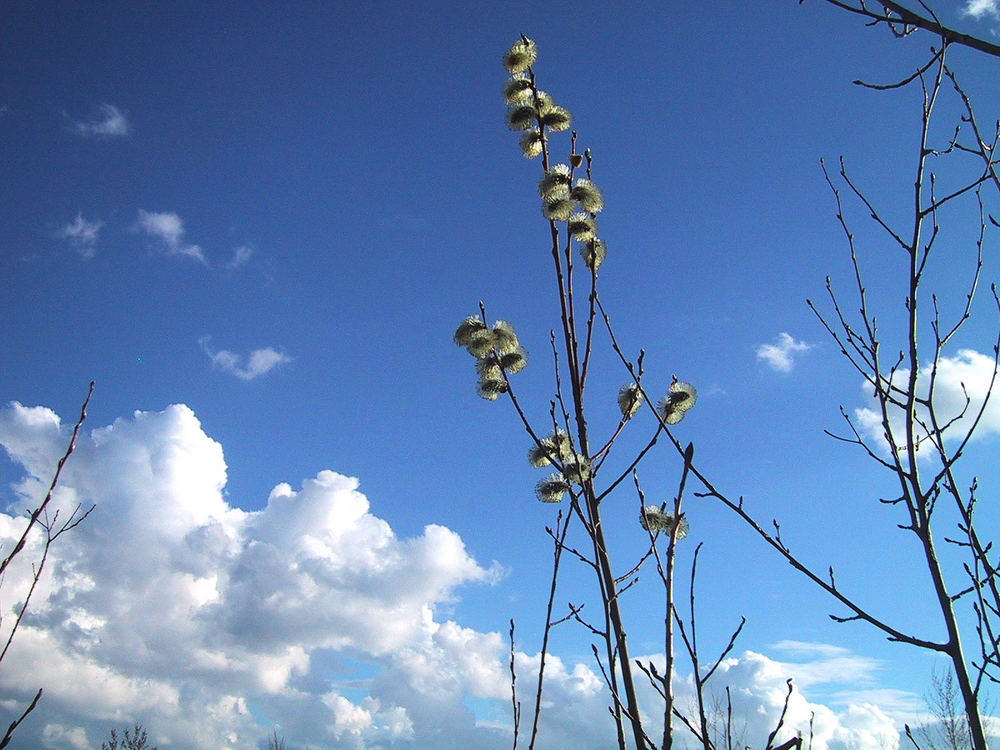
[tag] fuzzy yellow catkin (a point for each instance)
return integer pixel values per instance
(551, 489)
(520, 56)
(680, 397)
(593, 253)
(629, 400)
(588, 195)
(531, 143)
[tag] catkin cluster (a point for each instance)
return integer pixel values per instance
(680, 397)
(572, 200)
(557, 450)
(655, 519)
(497, 351)
(565, 197)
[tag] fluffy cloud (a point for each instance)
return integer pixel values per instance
(966, 375)
(180, 610)
(780, 355)
(82, 234)
(980, 8)
(210, 624)
(110, 121)
(169, 230)
(759, 689)
(259, 362)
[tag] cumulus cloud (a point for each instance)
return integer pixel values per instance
(780, 356)
(979, 8)
(207, 622)
(82, 235)
(56, 735)
(258, 362)
(168, 229)
(203, 607)
(110, 121)
(966, 376)
(759, 688)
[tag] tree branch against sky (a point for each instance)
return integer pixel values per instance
(902, 19)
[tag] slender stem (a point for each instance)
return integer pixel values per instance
(35, 514)
(559, 538)
(515, 705)
(14, 724)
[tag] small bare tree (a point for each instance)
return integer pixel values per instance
(136, 740)
(41, 520)
(948, 728)
(274, 742)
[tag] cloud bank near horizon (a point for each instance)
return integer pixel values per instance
(211, 624)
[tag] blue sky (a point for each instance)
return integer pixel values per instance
(256, 226)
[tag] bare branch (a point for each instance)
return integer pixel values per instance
(33, 518)
(895, 14)
(8, 736)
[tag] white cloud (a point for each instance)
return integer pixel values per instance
(82, 234)
(206, 622)
(968, 373)
(758, 688)
(201, 601)
(980, 8)
(168, 227)
(56, 735)
(820, 660)
(355, 724)
(780, 355)
(110, 121)
(241, 256)
(169, 230)
(259, 362)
